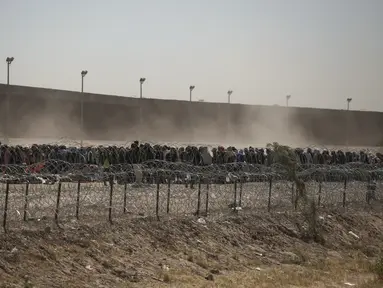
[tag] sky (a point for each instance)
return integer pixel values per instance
(319, 52)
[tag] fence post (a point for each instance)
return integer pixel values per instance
(78, 199)
(207, 198)
(292, 193)
(240, 193)
(319, 193)
(58, 204)
(295, 193)
(158, 199)
(26, 202)
(269, 201)
(344, 193)
(6, 207)
(111, 198)
(125, 196)
(235, 195)
(168, 200)
(199, 196)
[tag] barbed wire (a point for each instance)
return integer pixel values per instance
(52, 171)
(63, 191)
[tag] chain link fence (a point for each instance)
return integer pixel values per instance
(159, 189)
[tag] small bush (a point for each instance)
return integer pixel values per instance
(166, 278)
(378, 268)
(202, 263)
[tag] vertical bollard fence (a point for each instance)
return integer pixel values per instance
(58, 204)
(26, 200)
(6, 207)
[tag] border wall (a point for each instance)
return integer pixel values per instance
(28, 112)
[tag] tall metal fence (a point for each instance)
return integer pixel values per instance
(62, 192)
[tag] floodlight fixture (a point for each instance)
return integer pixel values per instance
(287, 100)
(9, 60)
(348, 103)
(142, 80)
(229, 95)
(191, 88)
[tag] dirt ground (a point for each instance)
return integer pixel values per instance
(258, 250)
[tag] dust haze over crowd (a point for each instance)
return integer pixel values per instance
(56, 122)
(44, 115)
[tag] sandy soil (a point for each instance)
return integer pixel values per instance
(258, 250)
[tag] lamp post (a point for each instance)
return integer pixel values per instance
(83, 73)
(348, 103)
(287, 100)
(142, 80)
(191, 88)
(347, 121)
(9, 61)
(229, 95)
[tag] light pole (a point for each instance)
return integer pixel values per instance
(83, 73)
(287, 100)
(229, 95)
(347, 120)
(142, 80)
(191, 88)
(348, 103)
(9, 61)
(6, 139)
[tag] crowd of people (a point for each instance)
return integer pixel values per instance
(138, 153)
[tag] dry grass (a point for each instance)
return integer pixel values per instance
(262, 250)
(333, 271)
(282, 276)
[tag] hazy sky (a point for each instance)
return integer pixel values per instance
(320, 52)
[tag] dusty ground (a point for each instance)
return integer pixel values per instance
(264, 250)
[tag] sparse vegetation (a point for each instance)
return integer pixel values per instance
(202, 263)
(286, 158)
(378, 269)
(166, 278)
(123, 255)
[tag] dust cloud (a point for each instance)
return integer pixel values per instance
(50, 116)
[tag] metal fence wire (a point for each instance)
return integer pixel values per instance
(159, 188)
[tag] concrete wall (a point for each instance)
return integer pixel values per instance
(37, 112)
